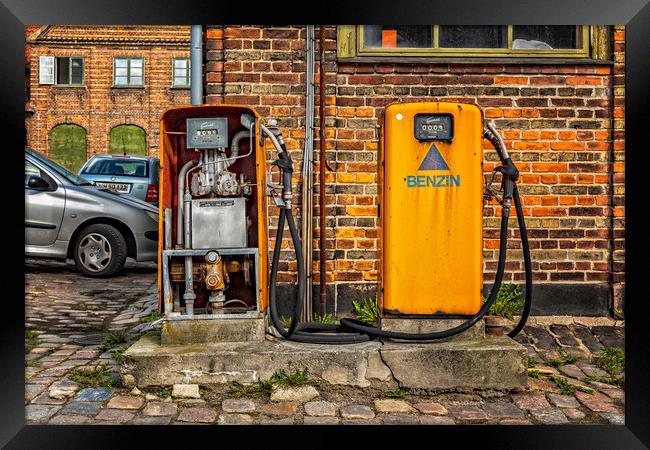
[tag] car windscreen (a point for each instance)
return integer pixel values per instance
(70, 176)
(124, 167)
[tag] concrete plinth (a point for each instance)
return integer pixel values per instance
(487, 363)
(420, 326)
(196, 331)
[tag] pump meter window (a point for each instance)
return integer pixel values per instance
(207, 133)
(434, 127)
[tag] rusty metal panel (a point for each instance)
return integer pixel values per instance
(432, 211)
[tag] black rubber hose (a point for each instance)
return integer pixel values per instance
(307, 332)
(368, 329)
(527, 265)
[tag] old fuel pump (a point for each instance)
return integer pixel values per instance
(212, 198)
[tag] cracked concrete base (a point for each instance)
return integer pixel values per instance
(488, 363)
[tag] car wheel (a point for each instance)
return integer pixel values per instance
(99, 251)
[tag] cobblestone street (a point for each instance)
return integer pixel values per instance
(77, 328)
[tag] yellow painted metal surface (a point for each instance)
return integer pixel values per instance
(431, 218)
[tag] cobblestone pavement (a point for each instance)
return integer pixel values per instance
(75, 326)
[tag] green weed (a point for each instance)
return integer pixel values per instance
(114, 339)
(117, 354)
(285, 321)
(567, 388)
(264, 387)
(534, 373)
(368, 311)
(99, 376)
(325, 318)
(564, 358)
(509, 301)
(31, 334)
(611, 360)
(398, 393)
(532, 362)
(152, 317)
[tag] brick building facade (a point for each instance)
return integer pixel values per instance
(563, 123)
(97, 100)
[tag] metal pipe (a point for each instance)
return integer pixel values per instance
(196, 64)
(189, 296)
(321, 180)
(167, 217)
(308, 175)
(179, 206)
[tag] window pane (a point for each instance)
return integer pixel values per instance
(77, 76)
(62, 71)
(180, 72)
(398, 36)
(546, 36)
(136, 81)
(180, 81)
(121, 72)
(136, 71)
(180, 63)
(121, 63)
(473, 36)
(121, 80)
(136, 63)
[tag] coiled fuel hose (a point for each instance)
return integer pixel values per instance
(351, 330)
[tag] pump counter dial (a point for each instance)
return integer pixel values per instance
(434, 127)
(207, 133)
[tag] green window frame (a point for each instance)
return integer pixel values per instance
(350, 44)
(128, 77)
(181, 76)
(71, 69)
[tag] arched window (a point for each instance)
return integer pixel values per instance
(68, 146)
(127, 140)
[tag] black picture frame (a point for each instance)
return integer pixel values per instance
(635, 14)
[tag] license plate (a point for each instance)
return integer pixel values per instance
(118, 187)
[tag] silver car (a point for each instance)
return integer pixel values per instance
(67, 216)
(133, 175)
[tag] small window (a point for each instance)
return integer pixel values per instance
(181, 72)
(69, 70)
(464, 40)
(128, 72)
(61, 70)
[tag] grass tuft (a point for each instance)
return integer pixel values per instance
(152, 317)
(398, 393)
(509, 301)
(611, 360)
(567, 388)
(564, 358)
(534, 373)
(100, 376)
(368, 311)
(325, 318)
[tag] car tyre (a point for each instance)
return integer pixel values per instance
(99, 251)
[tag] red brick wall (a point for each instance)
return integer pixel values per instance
(563, 125)
(97, 106)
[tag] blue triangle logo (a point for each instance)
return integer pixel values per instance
(433, 160)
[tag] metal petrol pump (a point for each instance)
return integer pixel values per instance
(214, 183)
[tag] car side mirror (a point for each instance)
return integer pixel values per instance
(38, 183)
